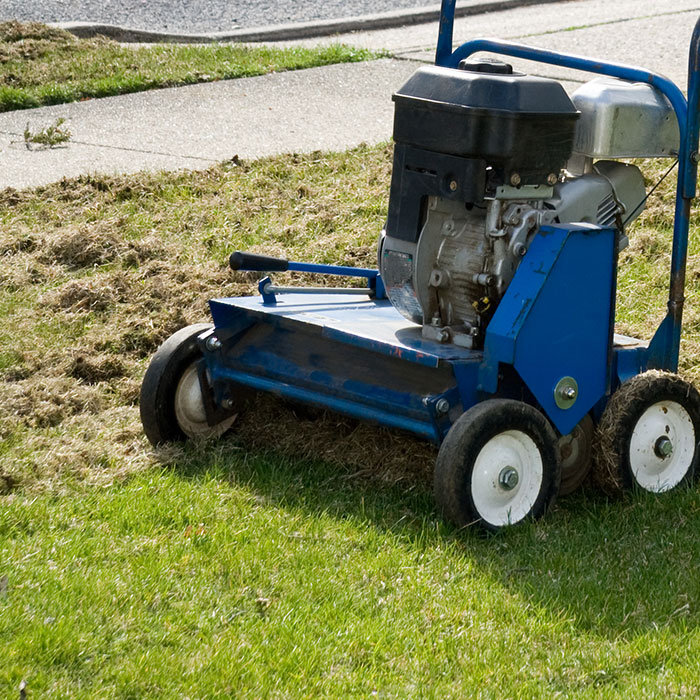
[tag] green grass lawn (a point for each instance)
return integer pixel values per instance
(226, 575)
(41, 65)
(317, 568)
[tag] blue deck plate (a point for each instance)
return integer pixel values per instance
(364, 322)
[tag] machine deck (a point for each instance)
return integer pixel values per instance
(363, 323)
(358, 356)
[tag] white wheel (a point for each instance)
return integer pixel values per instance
(171, 404)
(648, 434)
(189, 408)
(498, 465)
(506, 478)
(662, 446)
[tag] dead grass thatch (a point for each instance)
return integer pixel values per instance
(98, 271)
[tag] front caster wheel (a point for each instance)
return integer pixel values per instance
(171, 403)
(648, 435)
(498, 465)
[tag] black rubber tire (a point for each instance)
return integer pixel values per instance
(576, 454)
(613, 471)
(157, 401)
(463, 444)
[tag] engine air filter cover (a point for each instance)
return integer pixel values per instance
(620, 119)
(517, 123)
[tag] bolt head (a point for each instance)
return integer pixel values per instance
(663, 447)
(566, 392)
(552, 179)
(442, 406)
(515, 179)
(508, 478)
(213, 343)
(453, 185)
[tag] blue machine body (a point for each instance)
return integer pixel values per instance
(360, 357)
(355, 354)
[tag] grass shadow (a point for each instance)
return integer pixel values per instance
(613, 568)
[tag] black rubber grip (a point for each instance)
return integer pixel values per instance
(259, 263)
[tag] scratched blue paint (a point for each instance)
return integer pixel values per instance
(269, 357)
(395, 419)
(300, 372)
(445, 32)
(353, 330)
(364, 323)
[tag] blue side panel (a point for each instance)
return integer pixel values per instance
(555, 320)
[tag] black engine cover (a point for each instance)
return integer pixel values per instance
(515, 123)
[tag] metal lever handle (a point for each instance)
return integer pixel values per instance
(257, 263)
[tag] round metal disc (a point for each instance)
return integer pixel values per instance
(576, 452)
(566, 392)
(189, 408)
(653, 469)
(502, 502)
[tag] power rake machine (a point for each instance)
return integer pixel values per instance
(488, 328)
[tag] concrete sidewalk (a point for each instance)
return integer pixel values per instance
(334, 107)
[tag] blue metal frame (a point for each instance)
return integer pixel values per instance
(359, 356)
(356, 356)
(342, 270)
(374, 280)
(664, 347)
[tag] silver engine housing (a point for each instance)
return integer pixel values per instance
(453, 277)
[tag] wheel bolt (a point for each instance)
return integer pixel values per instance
(508, 478)
(663, 447)
(442, 406)
(213, 343)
